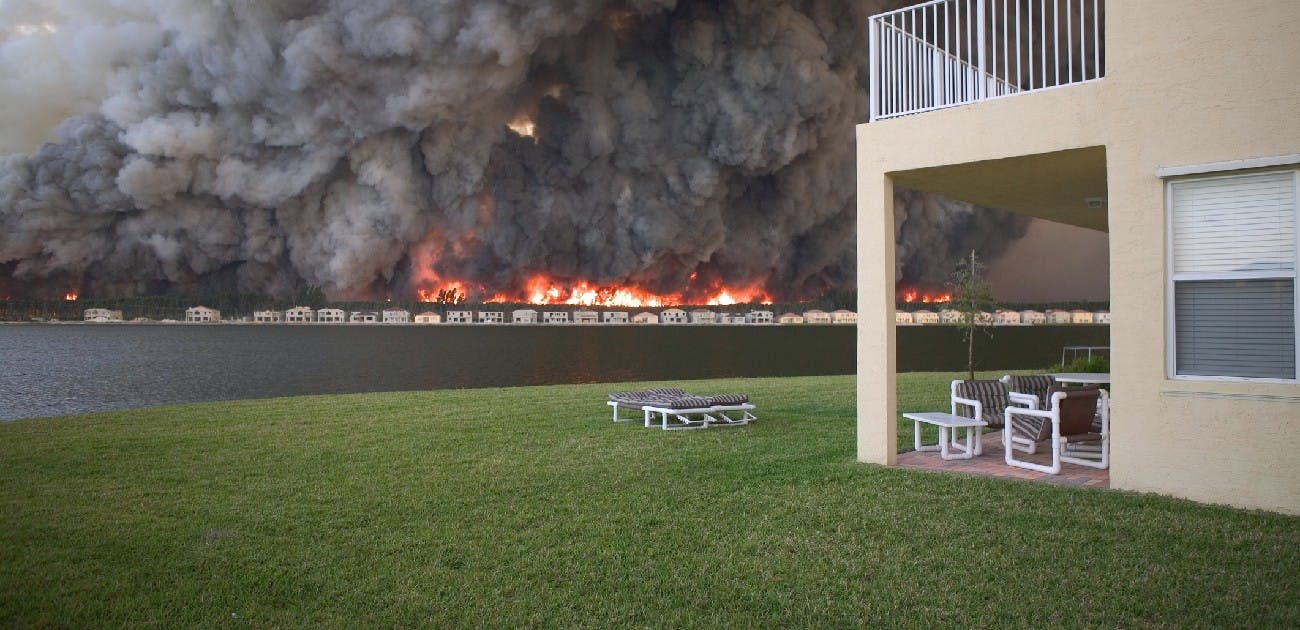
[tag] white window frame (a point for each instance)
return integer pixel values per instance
(1171, 277)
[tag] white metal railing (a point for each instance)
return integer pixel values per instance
(950, 52)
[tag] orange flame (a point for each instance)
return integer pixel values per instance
(542, 290)
(70, 296)
(911, 296)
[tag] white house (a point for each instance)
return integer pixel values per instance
(300, 314)
(331, 315)
(949, 316)
(491, 317)
(397, 316)
(614, 317)
(202, 314)
(903, 317)
(268, 317)
(672, 316)
(1006, 317)
(703, 316)
(460, 317)
(363, 317)
(586, 317)
(816, 317)
(524, 316)
(1032, 317)
(984, 318)
(1101, 317)
(731, 318)
(759, 317)
(428, 317)
(645, 318)
(101, 315)
(1056, 316)
(791, 318)
(555, 317)
(925, 317)
(1080, 316)
(844, 316)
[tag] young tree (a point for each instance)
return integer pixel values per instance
(971, 296)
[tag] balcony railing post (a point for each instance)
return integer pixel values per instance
(873, 85)
(980, 91)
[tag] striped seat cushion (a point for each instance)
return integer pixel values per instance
(1035, 385)
(662, 395)
(728, 399)
(689, 402)
(992, 396)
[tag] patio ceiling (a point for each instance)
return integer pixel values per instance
(1053, 186)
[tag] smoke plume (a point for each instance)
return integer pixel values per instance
(370, 147)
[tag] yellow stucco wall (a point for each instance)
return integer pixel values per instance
(1188, 82)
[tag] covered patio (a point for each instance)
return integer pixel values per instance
(991, 464)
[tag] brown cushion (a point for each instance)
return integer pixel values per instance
(1078, 408)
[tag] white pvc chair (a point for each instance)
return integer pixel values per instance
(1069, 424)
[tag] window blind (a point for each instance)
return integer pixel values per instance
(1243, 328)
(1239, 224)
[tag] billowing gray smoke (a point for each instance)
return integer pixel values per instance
(366, 147)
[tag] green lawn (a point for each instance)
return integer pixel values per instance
(527, 507)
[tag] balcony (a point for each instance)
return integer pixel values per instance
(946, 53)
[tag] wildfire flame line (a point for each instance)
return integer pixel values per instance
(541, 291)
(911, 296)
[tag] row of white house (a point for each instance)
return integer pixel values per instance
(304, 314)
(1006, 317)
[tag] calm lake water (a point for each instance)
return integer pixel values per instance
(48, 370)
(59, 369)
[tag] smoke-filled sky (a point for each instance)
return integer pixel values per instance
(373, 147)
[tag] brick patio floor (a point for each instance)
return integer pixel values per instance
(991, 464)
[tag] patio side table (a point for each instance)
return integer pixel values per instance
(948, 423)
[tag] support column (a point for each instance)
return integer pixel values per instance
(877, 363)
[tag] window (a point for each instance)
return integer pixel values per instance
(1232, 260)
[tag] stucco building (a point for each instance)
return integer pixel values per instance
(202, 314)
(101, 315)
(331, 316)
(300, 315)
(672, 316)
(816, 317)
(1173, 128)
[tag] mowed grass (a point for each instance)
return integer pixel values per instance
(528, 507)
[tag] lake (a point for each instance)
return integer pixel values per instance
(59, 369)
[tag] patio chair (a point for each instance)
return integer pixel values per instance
(1029, 389)
(980, 399)
(1068, 422)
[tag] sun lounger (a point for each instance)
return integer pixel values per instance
(678, 409)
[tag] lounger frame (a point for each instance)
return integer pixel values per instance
(670, 419)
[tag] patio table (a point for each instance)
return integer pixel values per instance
(947, 436)
(1084, 378)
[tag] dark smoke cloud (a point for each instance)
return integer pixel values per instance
(362, 146)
